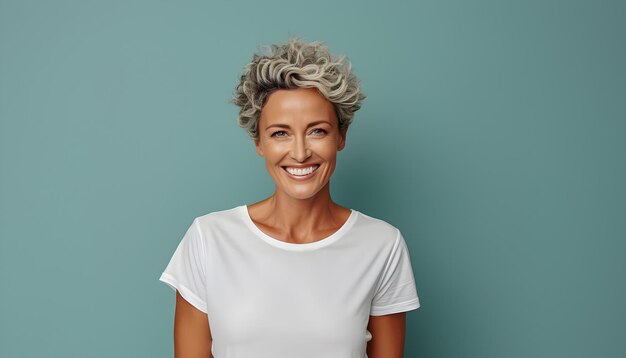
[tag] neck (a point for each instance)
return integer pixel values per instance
(295, 214)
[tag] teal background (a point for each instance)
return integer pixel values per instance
(493, 136)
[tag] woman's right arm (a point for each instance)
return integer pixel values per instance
(192, 334)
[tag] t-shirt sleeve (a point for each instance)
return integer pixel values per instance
(186, 271)
(396, 291)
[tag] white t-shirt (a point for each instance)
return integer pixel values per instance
(267, 298)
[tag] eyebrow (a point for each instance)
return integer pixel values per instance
(280, 125)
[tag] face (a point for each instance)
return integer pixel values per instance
(299, 138)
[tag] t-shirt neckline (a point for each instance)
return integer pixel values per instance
(243, 210)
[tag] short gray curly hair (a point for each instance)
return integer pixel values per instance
(297, 64)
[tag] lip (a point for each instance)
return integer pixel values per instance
(300, 166)
(300, 177)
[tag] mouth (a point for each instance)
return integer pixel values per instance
(301, 173)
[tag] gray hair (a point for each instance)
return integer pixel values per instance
(296, 64)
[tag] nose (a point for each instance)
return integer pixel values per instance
(299, 149)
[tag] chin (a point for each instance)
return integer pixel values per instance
(301, 196)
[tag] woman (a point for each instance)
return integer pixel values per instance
(295, 275)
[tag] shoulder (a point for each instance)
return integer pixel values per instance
(225, 218)
(220, 214)
(377, 228)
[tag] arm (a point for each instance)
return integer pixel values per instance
(388, 333)
(192, 334)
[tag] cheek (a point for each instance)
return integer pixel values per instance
(274, 153)
(327, 149)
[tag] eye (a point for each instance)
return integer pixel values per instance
(278, 134)
(319, 131)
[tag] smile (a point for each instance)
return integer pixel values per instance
(301, 172)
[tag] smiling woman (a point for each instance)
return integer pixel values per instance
(299, 138)
(296, 274)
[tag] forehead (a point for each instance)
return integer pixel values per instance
(297, 104)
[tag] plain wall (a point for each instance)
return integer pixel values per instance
(493, 136)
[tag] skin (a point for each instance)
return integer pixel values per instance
(388, 332)
(297, 127)
(192, 334)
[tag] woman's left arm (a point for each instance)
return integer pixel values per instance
(388, 333)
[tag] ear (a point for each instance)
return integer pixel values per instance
(342, 139)
(257, 146)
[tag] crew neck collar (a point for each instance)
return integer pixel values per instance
(243, 211)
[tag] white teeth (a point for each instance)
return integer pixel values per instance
(301, 172)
